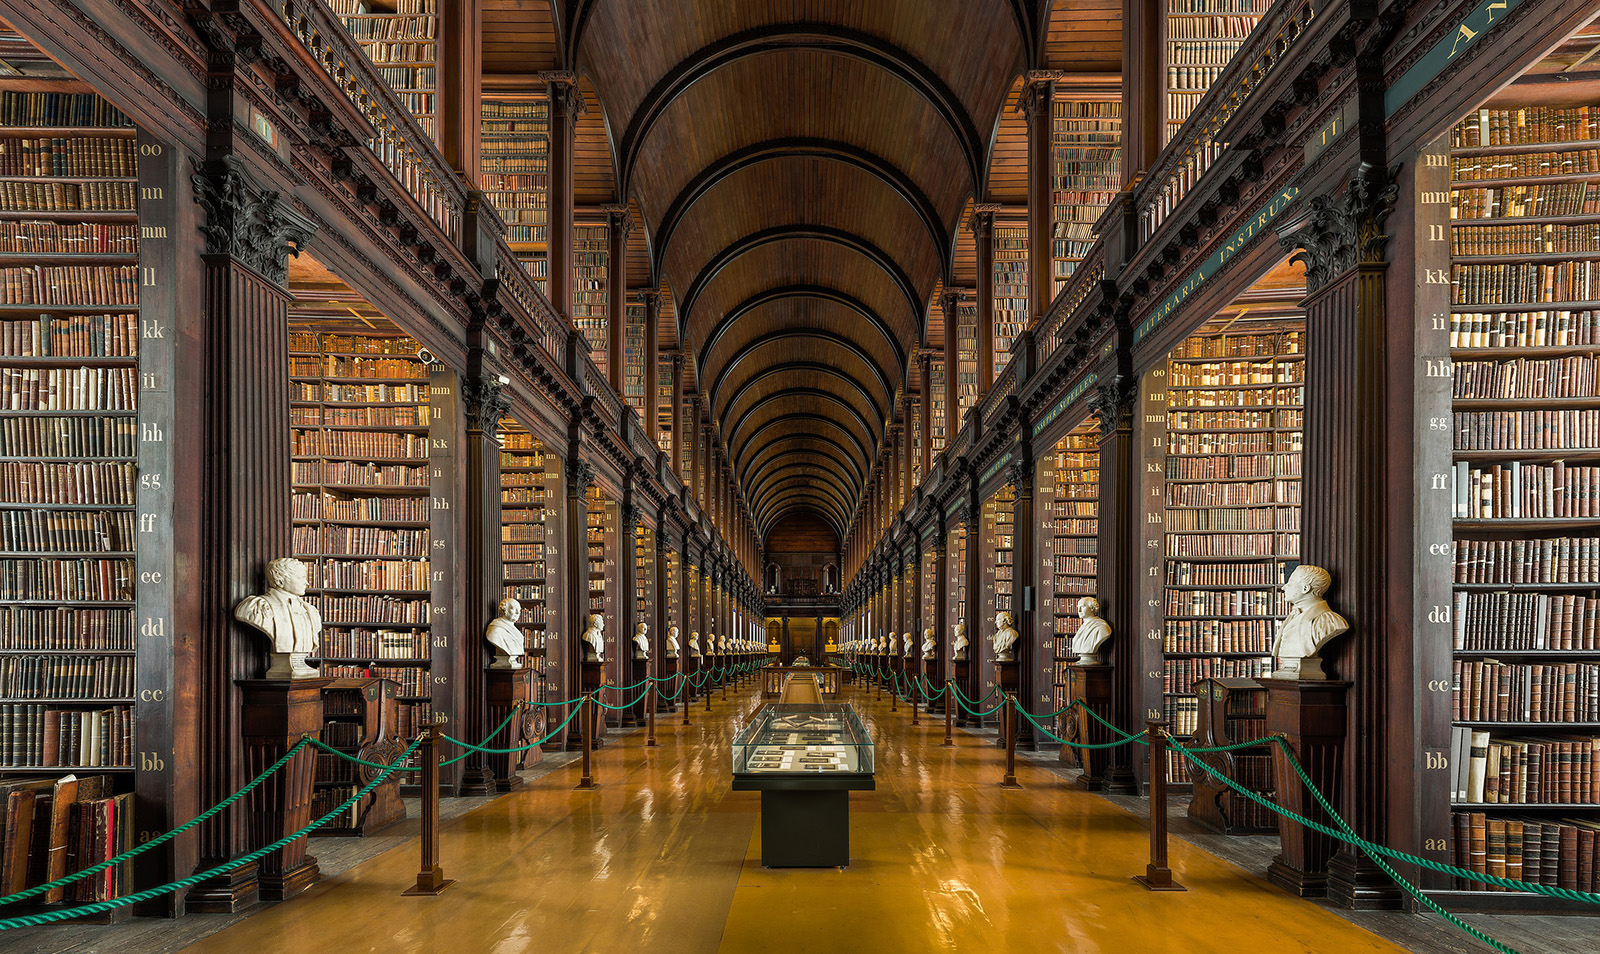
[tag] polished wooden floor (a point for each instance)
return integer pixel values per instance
(664, 858)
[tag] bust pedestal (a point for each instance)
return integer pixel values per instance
(933, 679)
(1312, 714)
(963, 672)
(592, 675)
(503, 689)
(274, 715)
(669, 685)
(1008, 677)
(637, 670)
(1092, 685)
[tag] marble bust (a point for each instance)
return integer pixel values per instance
(672, 642)
(906, 640)
(1092, 633)
(1005, 637)
(722, 645)
(503, 634)
(641, 640)
(594, 640)
(929, 649)
(694, 645)
(1309, 625)
(959, 647)
(291, 622)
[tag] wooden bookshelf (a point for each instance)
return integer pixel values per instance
(1067, 490)
(1202, 36)
(400, 38)
(1085, 176)
(530, 497)
(1524, 343)
(1232, 518)
(633, 356)
(966, 353)
(936, 399)
(1010, 290)
(514, 172)
(591, 256)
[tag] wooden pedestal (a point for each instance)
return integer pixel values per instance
(963, 668)
(1092, 685)
(593, 675)
(504, 688)
(1008, 676)
(274, 715)
(1312, 715)
(638, 669)
(669, 685)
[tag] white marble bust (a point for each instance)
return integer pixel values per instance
(503, 634)
(959, 647)
(905, 638)
(672, 642)
(1005, 637)
(930, 649)
(1092, 633)
(641, 640)
(722, 645)
(594, 639)
(694, 645)
(1309, 625)
(290, 621)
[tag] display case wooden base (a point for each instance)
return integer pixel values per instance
(1312, 715)
(1008, 678)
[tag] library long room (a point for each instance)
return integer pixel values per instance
(734, 476)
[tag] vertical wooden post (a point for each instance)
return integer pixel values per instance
(949, 711)
(1009, 726)
(1157, 876)
(684, 696)
(951, 302)
(586, 726)
(430, 877)
(915, 682)
(982, 225)
(619, 222)
(650, 714)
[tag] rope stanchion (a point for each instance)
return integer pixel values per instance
(1008, 725)
(586, 728)
(1157, 875)
(688, 700)
(1082, 745)
(430, 876)
(650, 716)
(894, 691)
(949, 716)
(912, 694)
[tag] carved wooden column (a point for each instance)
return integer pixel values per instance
(676, 453)
(982, 225)
(627, 610)
(908, 463)
(618, 224)
(483, 405)
(1143, 117)
(243, 453)
(1121, 513)
(1037, 102)
(950, 301)
(459, 96)
(1358, 390)
(579, 478)
(566, 108)
(652, 367)
(968, 672)
(925, 397)
(1025, 577)
(503, 690)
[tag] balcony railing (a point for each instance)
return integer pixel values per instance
(1089, 272)
(549, 331)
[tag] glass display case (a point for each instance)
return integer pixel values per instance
(803, 739)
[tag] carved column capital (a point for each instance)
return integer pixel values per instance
(580, 477)
(628, 514)
(1020, 476)
(484, 402)
(651, 299)
(1113, 403)
(950, 300)
(565, 96)
(1338, 233)
(981, 221)
(253, 226)
(1036, 96)
(618, 218)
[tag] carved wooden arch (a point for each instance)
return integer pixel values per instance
(785, 487)
(863, 456)
(803, 147)
(867, 415)
(772, 480)
(811, 367)
(803, 233)
(731, 433)
(788, 460)
(819, 292)
(785, 334)
(804, 503)
(820, 37)
(772, 445)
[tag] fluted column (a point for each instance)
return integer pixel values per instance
(1037, 102)
(618, 224)
(484, 405)
(566, 108)
(982, 225)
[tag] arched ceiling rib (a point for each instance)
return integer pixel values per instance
(801, 167)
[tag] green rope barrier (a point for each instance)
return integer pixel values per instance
(626, 688)
(523, 748)
(489, 738)
(626, 705)
(132, 853)
(1076, 745)
(1096, 717)
(98, 907)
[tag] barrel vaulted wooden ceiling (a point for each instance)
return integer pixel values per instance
(802, 169)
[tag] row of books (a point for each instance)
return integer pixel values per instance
(361, 444)
(1265, 574)
(96, 156)
(1524, 329)
(1563, 854)
(44, 531)
(1281, 418)
(520, 495)
(1491, 691)
(59, 627)
(367, 28)
(360, 541)
(69, 285)
(1527, 239)
(1252, 345)
(65, 483)
(1573, 376)
(1542, 560)
(387, 509)
(407, 77)
(69, 389)
(1281, 491)
(42, 237)
(1233, 27)
(58, 109)
(377, 609)
(1232, 544)
(20, 195)
(1525, 491)
(71, 580)
(357, 474)
(360, 393)
(1180, 675)
(399, 415)
(341, 735)
(1526, 430)
(399, 51)
(40, 736)
(1508, 622)
(1524, 165)
(1180, 441)
(1529, 125)
(1231, 373)
(1214, 7)
(349, 366)
(1219, 519)
(370, 575)
(1523, 201)
(66, 677)
(55, 826)
(1509, 282)
(363, 643)
(70, 437)
(1246, 398)
(523, 532)
(1183, 715)
(1232, 467)
(1226, 603)
(1512, 771)
(71, 336)
(1236, 628)
(1220, 642)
